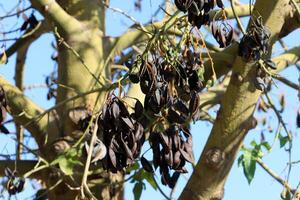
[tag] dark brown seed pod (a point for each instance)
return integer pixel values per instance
(223, 33)
(183, 5)
(174, 179)
(270, 64)
(138, 109)
(176, 160)
(194, 103)
(112, 157)
(259, 84)
(4, 130)
(298, 119)
(186, 156)
(220, 4)
(164, 139)
(146, 165)
(2, 114)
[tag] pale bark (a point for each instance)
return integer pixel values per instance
(235, 117)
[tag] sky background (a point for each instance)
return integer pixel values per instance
(39, 65)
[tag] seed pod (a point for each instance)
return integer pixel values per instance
(174, 179)
(186, 156)
(194, 103)
(259, 83)
(146, 165)
(220, 4)
(270, 64)
(298, 119)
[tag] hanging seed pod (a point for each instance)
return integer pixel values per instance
(298, 119)
(183, 5)
(259, 84)
(14, 184)
(123, 135)
(255, 42)
(146, 165)
(223, 33)
(269, 63)
(220, 4)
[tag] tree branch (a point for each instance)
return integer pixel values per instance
(235, 117)
(24, 110)
(28, 37)
(51, 9)
(19, 76)
(23, 166)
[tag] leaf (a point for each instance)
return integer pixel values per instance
(249, 165)
(68, 161)
(266, 145)
(283, 140)
(137, 190)
(65, 166)
(150, 179)
(240, 160)
(133, 167)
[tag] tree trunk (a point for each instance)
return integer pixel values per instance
(80, 69)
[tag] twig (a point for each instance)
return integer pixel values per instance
(62, 41)
(278, 115)
(287, 82)
(14, 14)
(237, 17)
(84, 186)
(105, 88)
(160, 190)
(274, 175)
(126, 15)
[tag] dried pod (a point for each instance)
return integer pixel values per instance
(146, 165)
(259, 84)
(298, 119)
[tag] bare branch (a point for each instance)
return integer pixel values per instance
(29, 36)
(24, 110)
(23, 166)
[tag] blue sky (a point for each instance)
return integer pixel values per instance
(39, 65)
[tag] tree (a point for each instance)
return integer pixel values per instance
(168, 63)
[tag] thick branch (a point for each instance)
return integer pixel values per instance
(51, 9)
(24, 110)
(234, 119)
(19, 77)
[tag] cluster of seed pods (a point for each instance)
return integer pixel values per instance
(123, 134)
(171, 93)
(255, 42)
(171, 150)
(198, 10)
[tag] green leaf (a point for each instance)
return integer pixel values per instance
(65, 166)
(150, 179)
(266, 145)
(240, 160)
(68, 161)
(249, 165)
(133, 167)
(283, 140)
(137, 190)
